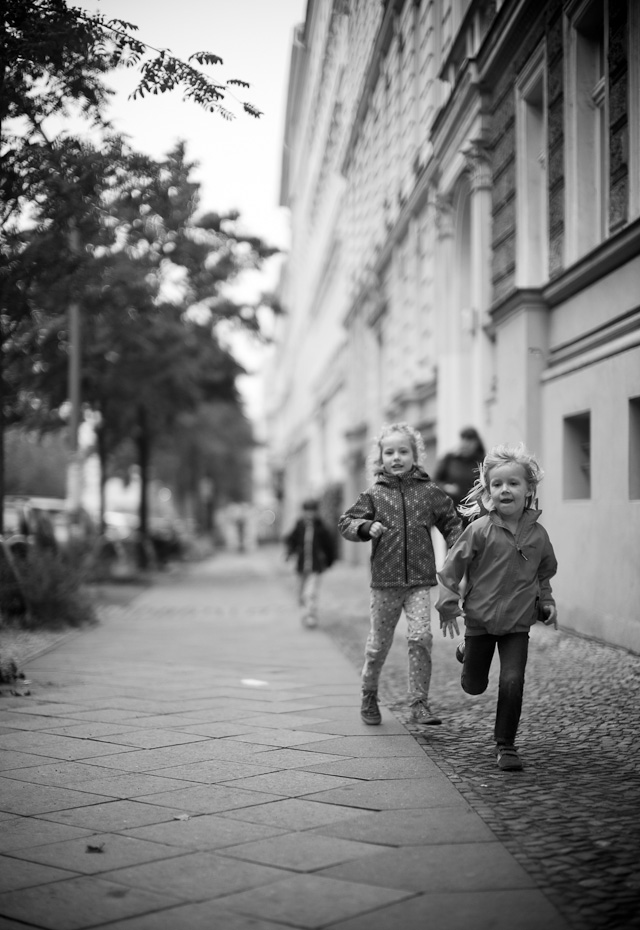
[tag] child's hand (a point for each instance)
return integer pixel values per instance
(377, 529)
(551, 616)
(449, 626)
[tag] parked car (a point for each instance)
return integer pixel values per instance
(46, 520)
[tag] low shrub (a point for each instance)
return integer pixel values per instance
(52, 583)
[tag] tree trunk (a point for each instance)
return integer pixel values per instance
(144, 455)
(102, 458)
(1, 437)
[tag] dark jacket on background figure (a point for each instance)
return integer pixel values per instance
(323, 550)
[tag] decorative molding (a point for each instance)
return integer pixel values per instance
(478, 163)
(444, 215)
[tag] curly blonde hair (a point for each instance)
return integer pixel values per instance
(480, 497)
(413, 436)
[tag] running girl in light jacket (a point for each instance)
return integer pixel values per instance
(508, 561)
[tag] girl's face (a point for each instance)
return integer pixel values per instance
(508, 488)
(396, 454)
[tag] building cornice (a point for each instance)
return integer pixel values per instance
(519, 299)
(492, 54)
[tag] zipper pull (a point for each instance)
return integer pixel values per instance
(522, 553)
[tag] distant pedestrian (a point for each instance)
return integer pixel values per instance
(508, 561)
(397, 514)
(457, 470)
(312, 544)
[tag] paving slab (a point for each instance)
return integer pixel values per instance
(114, 815)
(194, 876)
(203, 916)
(14, 873)
(310, 901)
(206, 831)
(54, 773)
(55, 747)
(463, 910)
(290, 783)
(131, 784)
(302, 852)
(437, 868)
(79, 903)
(42, 799)
(375, 769)
(293, 813)
(393, 794)
(421, 827)
(26, 832)
(101, 852)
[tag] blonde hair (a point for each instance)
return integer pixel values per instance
(413, 437)
(479, 496)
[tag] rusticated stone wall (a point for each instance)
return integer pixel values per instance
(618, 115)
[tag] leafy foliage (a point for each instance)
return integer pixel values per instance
(55, 59)
(112, 231)
(53, 586)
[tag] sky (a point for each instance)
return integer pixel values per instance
(239, 161)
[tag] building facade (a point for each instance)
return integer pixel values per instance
(464, 184)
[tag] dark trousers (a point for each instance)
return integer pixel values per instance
(478, 653)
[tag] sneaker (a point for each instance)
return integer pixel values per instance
(422, 713)
(369, 711)
(508, 759)
(460, 652)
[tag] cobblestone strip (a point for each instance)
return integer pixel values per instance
(572, 817)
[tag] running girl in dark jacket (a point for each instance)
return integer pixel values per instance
(508, 561)
(397, 514)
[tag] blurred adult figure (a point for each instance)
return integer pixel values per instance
(457, 471)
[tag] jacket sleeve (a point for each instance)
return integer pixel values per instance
(355, 522)
(451, 574)
(447, 519)
(442, 470)
(328, 545)
(291, 539)
(546, 570)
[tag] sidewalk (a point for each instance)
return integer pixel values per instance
(198, 761)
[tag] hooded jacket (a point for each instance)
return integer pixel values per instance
(408, 506)
(506, 575)
(323, 552)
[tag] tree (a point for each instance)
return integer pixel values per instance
(57, 187)
(207, 459)
(150, 346)
(55, 60)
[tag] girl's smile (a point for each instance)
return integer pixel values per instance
(508, 489)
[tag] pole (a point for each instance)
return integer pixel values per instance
(74, 474)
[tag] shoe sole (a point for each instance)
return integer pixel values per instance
(371, 723)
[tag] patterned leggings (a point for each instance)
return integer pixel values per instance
(386, 607)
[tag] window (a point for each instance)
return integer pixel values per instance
(588, 134)
(531, 166)
(634, 448)
(577, 456)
